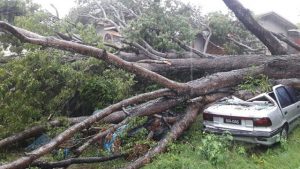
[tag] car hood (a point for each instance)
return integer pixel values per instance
(236, 107)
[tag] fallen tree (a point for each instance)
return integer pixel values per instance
(229, 71)
(70, 161)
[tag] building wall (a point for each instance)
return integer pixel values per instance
(273, 26)
(198, 43)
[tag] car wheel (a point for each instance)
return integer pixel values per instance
(284, 133)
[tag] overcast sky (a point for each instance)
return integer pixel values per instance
(290, 9)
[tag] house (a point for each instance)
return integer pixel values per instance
(109, 33)
(212, 48)
(276, 23)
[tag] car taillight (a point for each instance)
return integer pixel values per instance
(262, 122)
(208, 117)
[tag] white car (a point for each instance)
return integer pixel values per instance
(264, 119)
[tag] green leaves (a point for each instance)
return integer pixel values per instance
(214, 147)
(33, 87)
(159, 23)
(223, 25)
(256, 84)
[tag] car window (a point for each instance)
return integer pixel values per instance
(272, 95)
(292, 93)
(283, 97)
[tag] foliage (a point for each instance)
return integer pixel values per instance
(214, 147)
(157, 21)
(137, 134)
(256, 84)
(13, 8)
(39, 84)
(223, 25)
(161, 21)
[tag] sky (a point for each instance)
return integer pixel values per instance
(289, 9)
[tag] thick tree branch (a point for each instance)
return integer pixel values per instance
(266, 37)
(30, 37)
(287, 41)
(144, 51)
(155, 52)
(242, 44)
(34, 131)
(68, 162)
(293, 82)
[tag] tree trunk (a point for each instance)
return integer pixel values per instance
(265, 36)
(68, 162)
(34, 131)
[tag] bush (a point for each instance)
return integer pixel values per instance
(39, 84)
(214, 147)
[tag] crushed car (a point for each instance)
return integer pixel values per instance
(264, 119)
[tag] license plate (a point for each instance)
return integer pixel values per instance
(232, 121)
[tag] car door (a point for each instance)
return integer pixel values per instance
(286, 104)
(295, 102)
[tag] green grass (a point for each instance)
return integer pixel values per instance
(185, 154)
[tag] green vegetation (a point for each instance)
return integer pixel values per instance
(256, 84)
(224, 25)
(197, 150)
(161, 21)
(39, 84)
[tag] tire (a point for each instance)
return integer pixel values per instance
(284, 133)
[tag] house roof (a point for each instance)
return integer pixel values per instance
(279, 18)
(114, 33)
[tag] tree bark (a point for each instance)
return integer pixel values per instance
(287, 41)
(68, 162)
(207, 65)
(34, 131)
(294, 82)
(265, 36)
(145, 109)
(133, 57)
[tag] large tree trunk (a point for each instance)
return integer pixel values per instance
(265, 36)
(211, 65)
